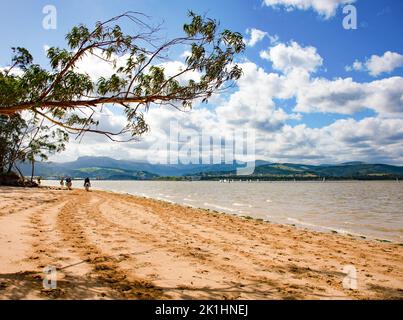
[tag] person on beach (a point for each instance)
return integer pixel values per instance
(62, 182)
(87, 184)
(39, 181)
(68, 183)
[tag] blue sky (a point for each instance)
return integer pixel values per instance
(380, 24)
(379, 31)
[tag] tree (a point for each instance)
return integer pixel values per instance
(42, 141)
(68, 98)
(11, 131)
(29, 139)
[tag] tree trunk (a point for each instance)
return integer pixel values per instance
(32, 170)
(20, 173)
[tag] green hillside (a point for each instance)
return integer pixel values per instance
(111, 174)
(353, 170)
(112, 169)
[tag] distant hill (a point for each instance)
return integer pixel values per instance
(359, 170)
(112, 169)
(109, 168)
(350, 170)
(110, 174)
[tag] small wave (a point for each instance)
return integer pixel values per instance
(269, 201)
(165, 200)
(307, 224)
(241, 205)
(187, 199)
(219, 207)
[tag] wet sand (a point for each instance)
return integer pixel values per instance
(114, 246)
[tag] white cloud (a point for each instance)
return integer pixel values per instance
(345, 96)
(287, 58)
(357, 66)
(14, 72)
(186, 54)
(325, 8)
(377, 65)
(386, 63)
(256, 36)
(371, 140)
(172, 68)
(96, 65)
(252, 106)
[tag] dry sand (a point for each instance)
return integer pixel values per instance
(114, 246)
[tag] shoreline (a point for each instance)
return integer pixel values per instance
(180, 252)
(300, 225)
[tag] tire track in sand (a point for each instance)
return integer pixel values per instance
(105, 269)
(239, 271)
(155, 258)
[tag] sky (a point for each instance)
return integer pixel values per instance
(312, 91)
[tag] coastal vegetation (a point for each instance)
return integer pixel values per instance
(25, 140)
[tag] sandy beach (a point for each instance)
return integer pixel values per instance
(115, 246)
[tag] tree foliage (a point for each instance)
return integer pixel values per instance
(28, 140)
(63, 95)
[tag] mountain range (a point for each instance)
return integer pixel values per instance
(112, 169)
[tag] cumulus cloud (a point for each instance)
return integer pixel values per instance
(345, 96)
(325, 8)
(372, 139)
(290, 57)
(357, 66)
(172, 68)
(377, 65)
(252, 104)
(14, 72)
(386, 63)
(256, 36)
(186, 54)
(96, 65)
